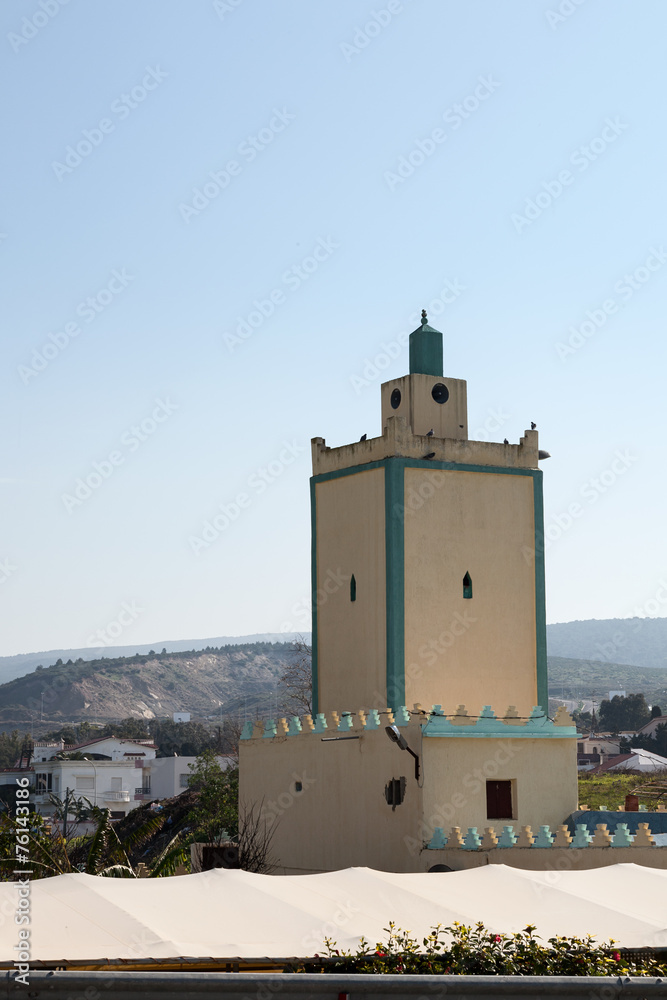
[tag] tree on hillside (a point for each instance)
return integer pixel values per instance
(11, 746)
(187, 739)
(621, 713)
(583, 720)
(660, 739)
(296, 682)
(52, 851)
(70, 811)
(215, 815)
(656, 743)
(127, 729)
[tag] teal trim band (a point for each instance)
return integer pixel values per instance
(540, 598)
(505, 733)
(395, 576)
(313, 583)
(417, 463)
(349, 471)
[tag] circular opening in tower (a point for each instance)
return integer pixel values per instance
(440, 392)
(395, 399)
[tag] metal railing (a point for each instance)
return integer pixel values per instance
(118, 985)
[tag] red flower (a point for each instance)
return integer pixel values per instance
(381, 954)
(616, 955)
(497, 938)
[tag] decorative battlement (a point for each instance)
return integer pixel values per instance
(510, 725)
(434, 723)
(560, 837)
(398, 440)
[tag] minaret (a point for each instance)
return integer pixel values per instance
(427, 556)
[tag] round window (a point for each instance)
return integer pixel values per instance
(395, 399)
(440, 392)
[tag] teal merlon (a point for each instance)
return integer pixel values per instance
(488, 725)
(426, 350)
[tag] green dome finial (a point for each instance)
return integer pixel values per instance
(426, 349)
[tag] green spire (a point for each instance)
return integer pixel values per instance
(426, 350)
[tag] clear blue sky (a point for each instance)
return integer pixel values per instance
(516, 152)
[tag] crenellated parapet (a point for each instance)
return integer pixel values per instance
(397, 439)
(434, 723)
(545, 837)
(511, 725)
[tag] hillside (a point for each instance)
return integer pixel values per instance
(584, 679)
(241, 679)
(23, 663)
(206, 683)
(626, 640)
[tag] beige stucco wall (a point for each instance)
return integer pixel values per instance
(351, 635)
(481, 651)
(341, 817)
(422, 412)
(543, 773)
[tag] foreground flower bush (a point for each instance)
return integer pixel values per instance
(475, 951)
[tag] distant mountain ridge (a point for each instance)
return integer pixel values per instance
(639, 641)
(23, 663)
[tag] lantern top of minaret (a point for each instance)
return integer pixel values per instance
(426, 350)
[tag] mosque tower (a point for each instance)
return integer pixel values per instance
(428, 556)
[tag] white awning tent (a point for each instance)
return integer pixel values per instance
(225, 914)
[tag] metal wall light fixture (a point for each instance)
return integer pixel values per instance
(395, 735)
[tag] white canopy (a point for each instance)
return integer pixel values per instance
(235, 914)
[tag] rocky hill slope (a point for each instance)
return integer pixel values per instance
(207, 683)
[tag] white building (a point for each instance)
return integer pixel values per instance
(593, 750)
(640, 761)
(116, 778)
(170, 776)
(122, 774)
(650, 727)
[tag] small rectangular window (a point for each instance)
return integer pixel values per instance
(183, 780)
(85, 784)
(499, 800)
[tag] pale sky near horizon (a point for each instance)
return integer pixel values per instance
(218, 215)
